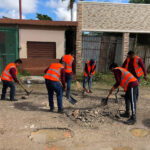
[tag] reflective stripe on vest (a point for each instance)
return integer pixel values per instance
(129, 79)
(68, 65)
(53, 73)
(89, 69)
(5, 74)
(138, 70)
(57, 71)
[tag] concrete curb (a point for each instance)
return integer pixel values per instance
(33, 79)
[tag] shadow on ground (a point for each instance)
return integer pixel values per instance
(146, 123)
(28, 106)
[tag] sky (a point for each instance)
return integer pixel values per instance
(56, 9)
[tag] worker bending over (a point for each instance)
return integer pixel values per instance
(55, 82)
(89, 71)
(7, 77)
(130, 84)
(69, 68)
(135, 65)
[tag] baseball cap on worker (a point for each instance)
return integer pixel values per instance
(92, 61)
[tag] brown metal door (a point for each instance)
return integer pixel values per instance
(41, 49)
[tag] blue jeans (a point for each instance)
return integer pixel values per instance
(137, 95)
(7, 84)
(52, 87)
(68, 79)
(89, 80)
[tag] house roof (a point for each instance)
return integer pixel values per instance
(38, 22)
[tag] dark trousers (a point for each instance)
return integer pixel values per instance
(68, 79)
(52, 87)
(137, 96)
(89, 80)
(130, 99)
(7, 84)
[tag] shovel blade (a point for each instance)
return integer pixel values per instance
(71, 100)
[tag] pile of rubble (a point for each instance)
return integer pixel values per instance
(94, 117)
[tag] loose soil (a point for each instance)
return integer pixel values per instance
(92, 126)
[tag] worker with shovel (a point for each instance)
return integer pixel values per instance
(55, 82)
(130, 84)
(7, 76)
(69, 61)
(89, 71)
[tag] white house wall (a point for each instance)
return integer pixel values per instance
(41, 35)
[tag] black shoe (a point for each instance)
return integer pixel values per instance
(90, 91)
(51, 110)
(125, 115)
(131, 121)
(3, 99)
(61, 111)
(13, 99)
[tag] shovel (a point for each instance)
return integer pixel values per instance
(28, 92)
(71, 100)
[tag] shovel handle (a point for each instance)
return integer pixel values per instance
(23, 87)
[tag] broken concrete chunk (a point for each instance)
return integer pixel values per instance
(76, 113)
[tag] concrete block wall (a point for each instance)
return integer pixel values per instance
(111, 17)
(115, 17)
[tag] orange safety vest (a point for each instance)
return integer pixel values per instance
(138, 70)
(68, 59)
(6, 74)
(53, 72)
(89, 68)
(126, 78)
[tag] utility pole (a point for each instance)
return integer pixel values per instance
(20, 9)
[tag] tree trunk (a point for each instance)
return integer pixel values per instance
(72, 14)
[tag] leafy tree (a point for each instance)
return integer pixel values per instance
(140, 1)
(70, 6)
(43, 17)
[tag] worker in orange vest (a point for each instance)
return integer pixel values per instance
(130, 84)
(69, 61)
(7, 76)
(89, 71)
(55, 82)
(135, 65)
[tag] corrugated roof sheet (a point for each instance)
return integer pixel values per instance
(38, 22)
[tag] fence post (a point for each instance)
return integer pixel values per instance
(125, 45)
(79, 40)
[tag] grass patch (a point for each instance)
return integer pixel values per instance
(108, 79)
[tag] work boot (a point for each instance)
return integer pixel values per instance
(125, 115)
(13, 99)
(61, 111)
(131, 120)
(90, 91)
(86, 90)
(51, 110)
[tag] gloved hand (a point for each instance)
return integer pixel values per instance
(104, 101)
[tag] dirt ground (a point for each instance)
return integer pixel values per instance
(92, 126)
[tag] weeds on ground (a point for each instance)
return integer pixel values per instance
(108, 79)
